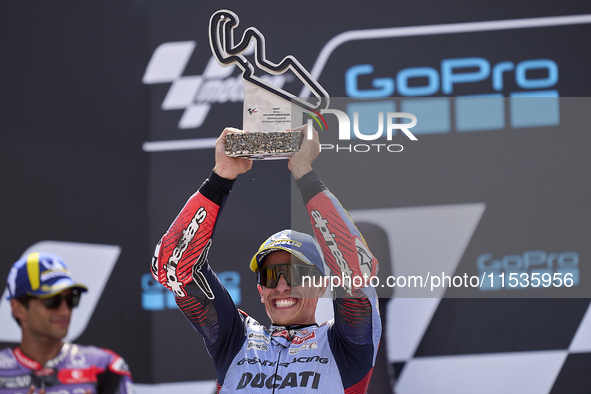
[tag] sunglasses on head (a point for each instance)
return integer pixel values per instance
(54, 302)
(293, 273)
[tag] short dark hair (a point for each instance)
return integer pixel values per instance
(24, 299)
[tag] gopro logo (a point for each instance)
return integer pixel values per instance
(453, 71)
(535, 106)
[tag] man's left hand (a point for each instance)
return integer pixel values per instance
(300, 163)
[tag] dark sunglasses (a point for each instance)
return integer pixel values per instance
(293, 274)
(72, 300)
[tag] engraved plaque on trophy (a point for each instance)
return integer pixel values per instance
(270, 114)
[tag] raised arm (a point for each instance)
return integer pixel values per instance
(355, 335)
(345, 251)
(187, 241)
(180, 262)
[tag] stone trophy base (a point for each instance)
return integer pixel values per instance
(270, 145)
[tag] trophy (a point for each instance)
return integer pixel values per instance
(269, 113)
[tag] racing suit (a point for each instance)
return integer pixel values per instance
(75, 369)
(336, 356)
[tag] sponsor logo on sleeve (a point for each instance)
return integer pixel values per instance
(170, 267)
(329, 239)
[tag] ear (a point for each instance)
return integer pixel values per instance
(261, 293)
(18, 309)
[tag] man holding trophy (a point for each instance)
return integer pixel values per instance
(295, 352)
(293, 269)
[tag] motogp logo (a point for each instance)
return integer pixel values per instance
(195, 94)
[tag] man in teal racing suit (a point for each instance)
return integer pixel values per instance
(295, 354)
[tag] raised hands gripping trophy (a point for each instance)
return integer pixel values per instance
(270, 114)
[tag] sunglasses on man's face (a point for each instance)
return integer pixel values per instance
(293, 273)
(72, 300)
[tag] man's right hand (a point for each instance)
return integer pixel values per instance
(228, 167)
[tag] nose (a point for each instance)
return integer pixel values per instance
(282, 284)
(63, 308)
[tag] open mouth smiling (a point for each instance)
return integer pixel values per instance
(284, 302)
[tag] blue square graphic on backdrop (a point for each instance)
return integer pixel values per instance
(531, 109)
(477, 113)
(433, 114)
